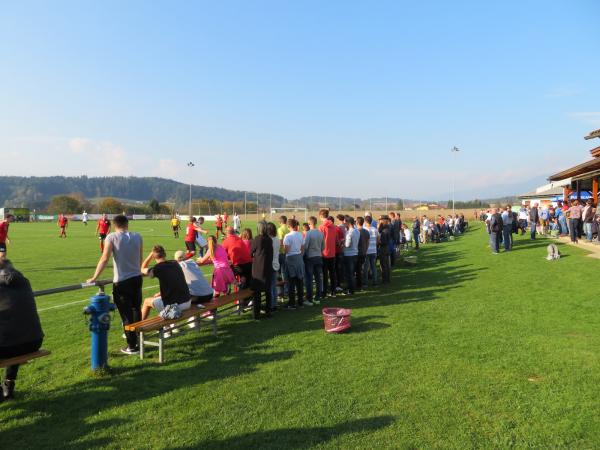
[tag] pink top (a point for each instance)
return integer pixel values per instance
(248, 244)
(220, 259)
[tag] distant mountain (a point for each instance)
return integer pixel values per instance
(496, 191)
(37, 191)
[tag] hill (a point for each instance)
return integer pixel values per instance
(37, 191)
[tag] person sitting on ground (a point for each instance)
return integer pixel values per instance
(239, 255)
(200, 290)
(20, 329)
(172, 284)
(222, 274)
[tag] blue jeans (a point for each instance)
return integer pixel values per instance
(495, 241)
(533, 229)
(349, 267)
(370, 266)
(573, 229)
(274, 291)
(283, 272)
(587, 229)
(507, 236)
(313, 268)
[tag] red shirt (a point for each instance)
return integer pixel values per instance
(219, 222)
(341, 236)
(225, 217)
(3, 231)
(103, 226)
(330, 234)
(63, 221)
(237, 251)
(190, 233)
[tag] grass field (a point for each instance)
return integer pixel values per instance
(464, 350)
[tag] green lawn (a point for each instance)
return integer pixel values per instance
(466, 349)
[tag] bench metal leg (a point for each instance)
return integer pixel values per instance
(161, 340)
(141, 345)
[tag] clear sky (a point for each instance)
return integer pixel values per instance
(300, 97)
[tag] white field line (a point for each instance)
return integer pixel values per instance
(81, 301)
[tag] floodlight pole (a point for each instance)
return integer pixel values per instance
(190, 165)
(454, 151)
(245, 210)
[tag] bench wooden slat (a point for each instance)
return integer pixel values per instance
(156, 323)
(23, 359)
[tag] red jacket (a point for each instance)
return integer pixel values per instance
(330, 234)
(237, 250)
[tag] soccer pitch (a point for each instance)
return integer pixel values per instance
(465, 349)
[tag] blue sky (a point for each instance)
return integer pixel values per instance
(300, 98)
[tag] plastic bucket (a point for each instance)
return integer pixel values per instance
(336, 320)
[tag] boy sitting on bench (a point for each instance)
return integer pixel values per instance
(173, 287)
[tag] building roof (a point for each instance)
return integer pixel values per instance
(593, 134)
(553, 192)
(588, 166)
(595, 152)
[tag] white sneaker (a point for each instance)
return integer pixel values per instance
(192, 322)
(307, 303)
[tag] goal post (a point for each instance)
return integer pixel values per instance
(289, 212)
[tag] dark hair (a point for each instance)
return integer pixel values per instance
(341, 217)
(283, 219)
(350, 220)
(360, 220)
(369, 220)
(159, 251)
(271, 229)
(324, 212)
(121, 221)
(312, 220)
(331, 219)
(305, 226)
(292, 223)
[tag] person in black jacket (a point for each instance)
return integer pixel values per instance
(261, 250)
(383, 248)
(496, 227)
(20, 329)
(534, 218)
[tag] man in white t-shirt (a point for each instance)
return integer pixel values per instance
(294, 247)
(84, 218)
(237, 223)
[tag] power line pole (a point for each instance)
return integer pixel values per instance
(454, 151)
(191, 165)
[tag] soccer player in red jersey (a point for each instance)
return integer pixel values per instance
(219, 225)
(63, 222)
(190, 238)
(102, 229)
(4, 234)
(225, 220)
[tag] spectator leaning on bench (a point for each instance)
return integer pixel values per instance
(171, 280)
(20, 329)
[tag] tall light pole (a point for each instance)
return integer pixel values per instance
(190, 165)
(454, 150)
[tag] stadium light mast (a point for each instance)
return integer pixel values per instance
(454, 150)
(191, 165)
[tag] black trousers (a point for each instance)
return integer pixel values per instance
(296, 287)
(258, 290)
(17, 350)
(384, 262)
(329, 275)
(339, 269)
(245, 271)
(127, 295)
(360, 264)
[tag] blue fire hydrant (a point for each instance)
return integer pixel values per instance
(99, 311)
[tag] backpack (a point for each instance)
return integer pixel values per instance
(553, 252)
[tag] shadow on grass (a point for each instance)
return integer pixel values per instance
(294, 438)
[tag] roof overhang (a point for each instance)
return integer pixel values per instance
(592, 135)
(577, 171)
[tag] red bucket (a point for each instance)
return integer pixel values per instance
(336, 319)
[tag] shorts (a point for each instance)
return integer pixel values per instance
(196, 299)
(220, 228)
(175, 228)
(102, 236)
(190, 246)
(158, 304)
(2, 247)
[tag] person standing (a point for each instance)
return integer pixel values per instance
(272, 230)
(329, 232)
(261, 251)
(588, 218)
(350, 254)
(237, 223)
(383, 249)
(282, 231)
(371, 256)
(292, 243)
(4, 224)
(126, 249)
(363, 247)
(496, 228)
(314, 244)
(175, 225)
(523, 219)
(102, 230)
(84, 218)
(507, 226)
(574, 214)
(190, 238)
(339, 252)
(416, 230)
(534, 218)
(219, 225)
(395, 228)
(62, 224)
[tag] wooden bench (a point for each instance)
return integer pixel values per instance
(157, 327)
(23, 359)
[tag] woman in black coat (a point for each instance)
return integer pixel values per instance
(262, 268)
(20, 329)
